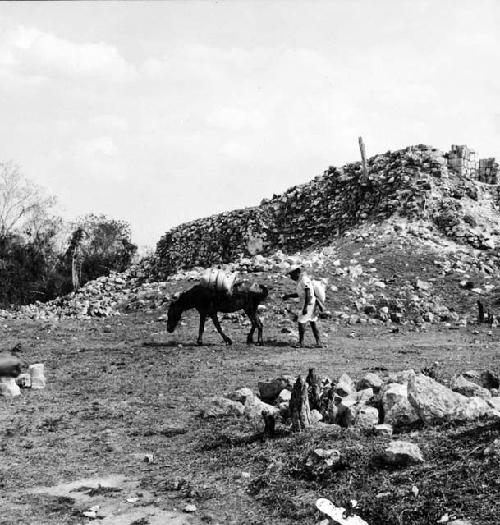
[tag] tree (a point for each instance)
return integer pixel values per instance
(20, 199)
(99, 245)
(28, 269)
(29, 251)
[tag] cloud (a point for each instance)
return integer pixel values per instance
(98, 158)
(32, 53)
(236, 118)
(237, 151)
(110, 122)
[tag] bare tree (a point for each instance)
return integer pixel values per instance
(20, 199)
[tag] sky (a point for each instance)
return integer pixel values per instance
(162, 112)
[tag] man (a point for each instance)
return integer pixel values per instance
(305, 292)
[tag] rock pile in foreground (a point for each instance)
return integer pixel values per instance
(375, 403)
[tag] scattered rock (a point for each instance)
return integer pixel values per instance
(383, 429)
(370, 380)
(254, 407)
(24, 380)
(337, 513)
(321, 460)
(493, 449)
(402, 453)
(220, 406)
(270, 390)
(485, 379)
(494, 403)
(344, 386)
(402, 376)
(366, 417)
(241, 395)
(396, 406)
(10, 365)
(316, 416)
(423, 285)
(284, 396)
(37, 376)
(435, 402)
(468, 388)
(9, 387)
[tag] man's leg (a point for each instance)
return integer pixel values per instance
(315, 330)
(302, 331)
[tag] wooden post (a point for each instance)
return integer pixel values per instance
(299, 406)
(363, 158)
(74, 271)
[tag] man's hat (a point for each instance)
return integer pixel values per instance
(295, 270)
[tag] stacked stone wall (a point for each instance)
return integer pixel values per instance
(307, 215)
(416, 182)
(463, 161)
(488, 171)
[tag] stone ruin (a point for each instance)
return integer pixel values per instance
(376, 403)
(464, 163)
(418, 182)
(414, 197)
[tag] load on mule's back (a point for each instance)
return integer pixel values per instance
(219, 280)
(218, 292)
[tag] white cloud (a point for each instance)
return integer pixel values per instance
(237, 151)
(236, 118)
(29, 52)
(99, 146)
(97, 158)
(111, 122)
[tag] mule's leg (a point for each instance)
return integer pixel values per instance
(252, 329)
(260, 326)
(256, 324)
(203, 318)
(217, 325)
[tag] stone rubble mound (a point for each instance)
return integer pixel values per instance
(452, 191)
(102, 297)
(416, 202)
(359, 289)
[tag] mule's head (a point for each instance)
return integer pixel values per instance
(173, 317)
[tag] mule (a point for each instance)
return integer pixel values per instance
(209, 302)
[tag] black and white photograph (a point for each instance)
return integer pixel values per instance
(250, 262)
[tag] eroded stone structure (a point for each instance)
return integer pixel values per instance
(416, 182)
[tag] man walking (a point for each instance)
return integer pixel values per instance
(307, 313)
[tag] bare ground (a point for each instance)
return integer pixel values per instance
(120, 389)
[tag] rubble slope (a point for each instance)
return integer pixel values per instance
(418, 183)
(414, 242)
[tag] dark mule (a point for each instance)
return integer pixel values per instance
(209, 302)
